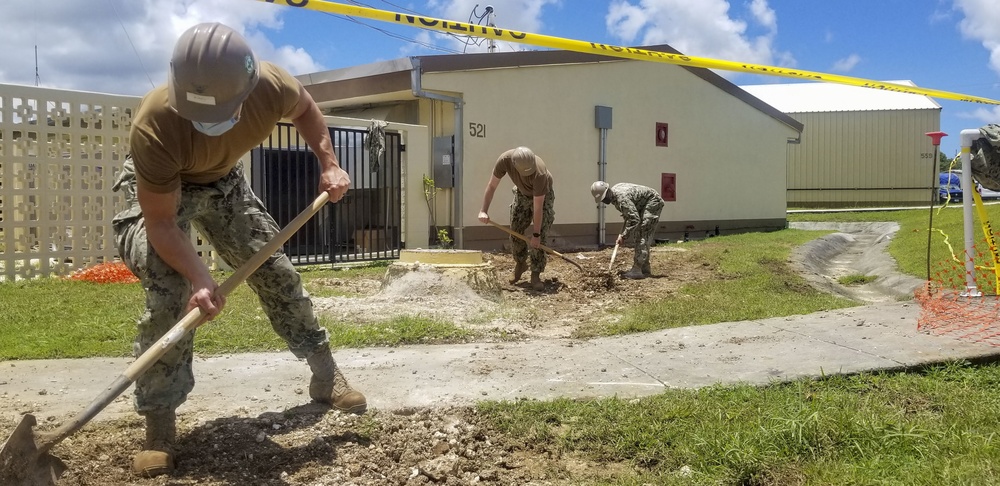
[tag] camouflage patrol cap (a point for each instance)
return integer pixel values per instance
(524, 161)
(212, 71)
(599, 189)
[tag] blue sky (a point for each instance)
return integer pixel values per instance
(122, 46)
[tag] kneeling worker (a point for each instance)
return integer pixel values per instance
(640, 207)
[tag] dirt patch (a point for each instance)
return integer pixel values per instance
(572, 298)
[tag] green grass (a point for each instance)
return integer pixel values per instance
(856, 279)
(931, 428)
(752, 281)
(59, 318)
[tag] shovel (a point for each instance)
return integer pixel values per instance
(25, 458)
(543, 247)
(614, 253)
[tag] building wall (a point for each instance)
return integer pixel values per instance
(729, 158)
(863, 158)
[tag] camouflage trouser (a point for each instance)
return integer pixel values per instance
(230, 216)
(645, 234)
(521, 213)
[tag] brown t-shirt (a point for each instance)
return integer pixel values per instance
(167, 150)
(536, 184)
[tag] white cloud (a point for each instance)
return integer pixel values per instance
(704, 28)
(122, 46)
(846, 64)
(982, 115)
(982, 23)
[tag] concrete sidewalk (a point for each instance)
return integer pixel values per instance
(867, 338)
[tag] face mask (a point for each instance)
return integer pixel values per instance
(215, 129)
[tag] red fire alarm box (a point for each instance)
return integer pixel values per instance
(661, 134)
(668, 186)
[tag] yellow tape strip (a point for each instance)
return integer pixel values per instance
(984, 220)
(462, 28)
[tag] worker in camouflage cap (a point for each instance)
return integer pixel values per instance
(532, 206)
(183, 171)
(640, 207)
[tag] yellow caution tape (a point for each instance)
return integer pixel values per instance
(462, 28)
(984, 220)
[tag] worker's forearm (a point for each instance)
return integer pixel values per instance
(175, 248)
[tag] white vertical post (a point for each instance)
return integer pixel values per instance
(968, 224)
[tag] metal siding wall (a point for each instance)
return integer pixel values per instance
(861, 158)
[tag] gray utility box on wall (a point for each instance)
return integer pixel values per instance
(443, 152)
(602, 117)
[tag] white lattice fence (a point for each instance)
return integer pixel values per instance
(60, 154)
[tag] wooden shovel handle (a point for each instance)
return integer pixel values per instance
(190, 322)
(543, 247)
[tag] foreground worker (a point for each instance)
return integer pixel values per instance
(640, 207)
(183, 170)
(532, 205)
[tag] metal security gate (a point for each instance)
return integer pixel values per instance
(363, 226)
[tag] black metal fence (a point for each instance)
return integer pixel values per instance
(364, 226)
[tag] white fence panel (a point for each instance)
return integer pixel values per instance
(60, 154)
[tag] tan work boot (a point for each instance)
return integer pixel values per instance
(536, 281)
(329, 386)
(635, 273)
(157, 455)
(519, 269)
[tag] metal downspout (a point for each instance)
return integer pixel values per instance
(415, 86)
(602, 168)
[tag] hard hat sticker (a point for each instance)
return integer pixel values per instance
(200, 99)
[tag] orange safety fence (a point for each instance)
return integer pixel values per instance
(946, 309)
(108, 272)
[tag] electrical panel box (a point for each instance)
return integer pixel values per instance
(443, 152)
(602, 117)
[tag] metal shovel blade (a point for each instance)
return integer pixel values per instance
(22, 463)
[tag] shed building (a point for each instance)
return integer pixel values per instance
(859, 147)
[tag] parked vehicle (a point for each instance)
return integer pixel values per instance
(950, 183)
(950, 186)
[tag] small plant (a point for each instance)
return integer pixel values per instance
(430, 191)
(444, 239)
(856, 279)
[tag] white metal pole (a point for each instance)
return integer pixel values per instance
(968, 224)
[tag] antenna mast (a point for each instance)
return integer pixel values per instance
(491, 15)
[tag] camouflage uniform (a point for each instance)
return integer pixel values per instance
(640, 207)
(230, 216)
(521, 212)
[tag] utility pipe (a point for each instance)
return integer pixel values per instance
(415, 86)
(602, 170)
(970, 265)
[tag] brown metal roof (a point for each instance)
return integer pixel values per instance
(394, 76)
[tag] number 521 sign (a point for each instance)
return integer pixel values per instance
(477, 130)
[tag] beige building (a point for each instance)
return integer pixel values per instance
(717, 154)
(859, 147)
(712, 149)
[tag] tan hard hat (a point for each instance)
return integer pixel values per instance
(212, 72)
(599, 189)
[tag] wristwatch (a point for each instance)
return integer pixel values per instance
(536, 235)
